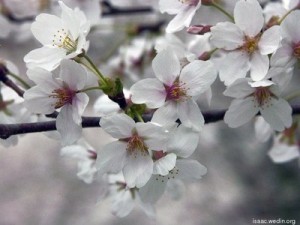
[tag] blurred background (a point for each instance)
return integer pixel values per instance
(39, 187)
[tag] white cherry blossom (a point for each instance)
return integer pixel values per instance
(125, 199)
(173, 90)
(132, 152)
(285, 148)
(246, 47)
(181, 144)
(257, 97)
(62, 38)
(185, 169)
(62, 92)
(86, 156)
(184, 10)
(289, 51)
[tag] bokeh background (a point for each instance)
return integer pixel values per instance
(39, 187)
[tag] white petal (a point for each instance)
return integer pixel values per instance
(259, 66)
(137, 170)
(281, 153)
(240, 112)
(198, 76)
(263, 131)
(278, 114)
(248, 16)
(165, 114)
(190, 114)
(39, 75)
(182, 19)
(75, 151)
(153, 190)
(166, 66)
(190, 170)
(45, 27)
(183, 141)
(122, 203)
(44, 57)
(37, 101)
(227, 35)
(149, 91)
(233, 66)
(154, 136)
(71, 20)
(104, 106)
(66, 126)
(239, 89)
(118, 125)
(290, 27)
(79, 103)
(284, 56)
(111, 158)
(163, 165)
(73, 74)
(269, 41)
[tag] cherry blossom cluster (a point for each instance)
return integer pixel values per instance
(150, 89)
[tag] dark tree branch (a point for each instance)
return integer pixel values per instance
(7, 130)
(8, 82)
(110, 10)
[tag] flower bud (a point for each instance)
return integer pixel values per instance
(199, 29)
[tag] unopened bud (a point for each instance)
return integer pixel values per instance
(205, 56)
(199, 29)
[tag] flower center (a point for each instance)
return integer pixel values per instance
(296, 50)
(136, 145)
(250, 44)
(63, 39)
(263, 96)
(63, 96)
(176, 91)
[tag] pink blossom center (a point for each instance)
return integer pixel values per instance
(250, 44)
(263, 96)
(176, 91)
(135, 145)
(63, 96)
(296, 50)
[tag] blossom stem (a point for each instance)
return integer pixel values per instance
(218, 7)
(24, 83)
(284, 16)
(137, 115)
(95, 69)
(90, 89)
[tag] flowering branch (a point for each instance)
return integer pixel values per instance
(7, 130)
